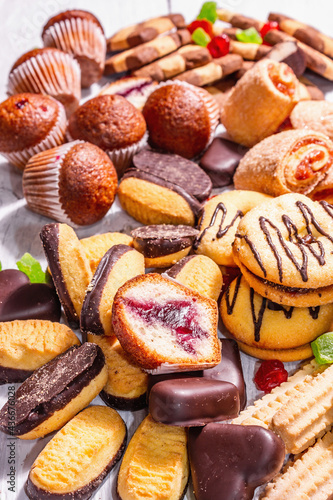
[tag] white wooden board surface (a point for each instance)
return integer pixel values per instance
(21, 22)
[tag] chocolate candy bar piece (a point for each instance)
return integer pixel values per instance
(213, 71)
(229, 461)
(159, 240)
(289, 53)
(144, 32)
(221, 159)
(305, 33)
(193, 401)
(147, 52)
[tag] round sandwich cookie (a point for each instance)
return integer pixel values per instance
(284, 248)
(95, 440)
(55, 392)
(163, 245)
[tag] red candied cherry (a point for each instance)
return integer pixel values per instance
(270, 25)
(201, 23)
(270, 374)
(219, 46)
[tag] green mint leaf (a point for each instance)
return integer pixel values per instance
(250, 35)
(32, 268)
(208, 11)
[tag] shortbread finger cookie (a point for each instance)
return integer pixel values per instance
(200, 273)
(238, 20)
(218, 224)
(166, 326)
(183, 59)
(260, 102)
(147, 52)
(96, 246)
(144, 32)
(27, 345)
(311, 474)
(289, 53)
(216, 70)
(291, 161)
(69, 266)
(316, 116)
(163, 245)
(135, 89)
(55, 392)
(94, 439)
(285, 247)
(158, 452)
(118, 265)
(127, 383)
(258, 322)
(250, 51)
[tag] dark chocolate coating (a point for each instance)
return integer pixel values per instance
(193, 401)
(176, 169)
(289, 53)
(10, 281)
(229, 461)
(32, 301)
(221, 159)
(124, 404)
(176, 268)
(12, 375)
(50, 239)
(51, 387)
(164, 239)
(84, 493)
(90, 321)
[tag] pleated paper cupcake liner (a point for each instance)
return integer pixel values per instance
(53, 73)
(55, 137)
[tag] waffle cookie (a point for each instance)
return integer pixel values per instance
(27, 345)
(97, 245)
(78, 458)
(55, 392)
(166, 326)
(155, 464)
(118, 265)
(69, 266)
(284, 250)
(126, 386)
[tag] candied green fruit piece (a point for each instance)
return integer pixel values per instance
(322, 348)
(200, 37)
(250, 35)
(208, 11)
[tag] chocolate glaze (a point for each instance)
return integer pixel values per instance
(149, 177)
(175, 169)
(193, 401)
(159, 240)
(51, 387)
(221, 159)
(10, 281)
(176, 268)
(124, 404)
(12, 375)
(290, 53)
(221, 232)
(84, 493)
(229, 461)
(31, 301)
(90, 321)
(50, 239)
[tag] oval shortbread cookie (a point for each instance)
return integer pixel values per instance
(97, 245)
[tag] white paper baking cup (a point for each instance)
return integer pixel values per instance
(53, 73)
(84, 40)
(55, 137)
(41, 183)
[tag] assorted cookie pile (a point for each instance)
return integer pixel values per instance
(147, 305)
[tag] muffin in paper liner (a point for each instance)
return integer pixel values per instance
(55, 137)
(46, 194)
(48, 71)
(210, 104)
(85, 40)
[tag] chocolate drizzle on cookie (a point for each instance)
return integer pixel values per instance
(220, 232)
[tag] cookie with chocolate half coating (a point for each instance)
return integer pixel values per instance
(200, 273)
(163, 245)
(126, 387)
(69, 266)
(94, 439)
(118, 265)
(27, 345)
(55, 392)
(97, 245)
(156, 190)
(284, 248)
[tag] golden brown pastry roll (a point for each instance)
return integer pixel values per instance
(291, 161)
(315, 116)
(324, 190)
(260, 101)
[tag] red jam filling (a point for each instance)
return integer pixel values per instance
(270, 374)
(282, 80)
(304, 169)
(178, 315)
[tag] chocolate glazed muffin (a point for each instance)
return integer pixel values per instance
(29, 124)
(113, 124)
(79, 33)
